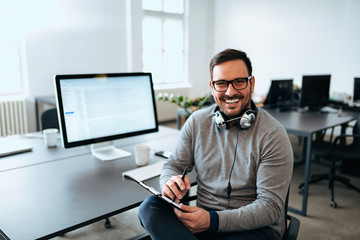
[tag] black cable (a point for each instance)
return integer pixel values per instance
(228, 190)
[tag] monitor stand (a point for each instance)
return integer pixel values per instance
(106, 151)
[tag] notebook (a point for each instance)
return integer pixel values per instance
(9, 146)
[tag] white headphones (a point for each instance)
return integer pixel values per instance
(245, 121)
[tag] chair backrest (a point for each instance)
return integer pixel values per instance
(351, 166)
(49, 119)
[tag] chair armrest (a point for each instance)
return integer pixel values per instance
(293, 228)
(345, 136)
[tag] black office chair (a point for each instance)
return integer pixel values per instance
(49, 119)
(342, 152)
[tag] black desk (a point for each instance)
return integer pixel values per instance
(59, 193)
(305, 124)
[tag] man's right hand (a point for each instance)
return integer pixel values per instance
(176, 187)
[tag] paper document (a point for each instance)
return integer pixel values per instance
(9, 146)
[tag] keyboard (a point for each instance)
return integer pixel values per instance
(144, 173)
(329, 109)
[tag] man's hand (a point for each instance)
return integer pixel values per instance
(176, 187)
(194, 218)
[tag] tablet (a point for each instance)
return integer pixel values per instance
(156, 193)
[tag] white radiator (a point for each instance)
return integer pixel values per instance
(13, 118)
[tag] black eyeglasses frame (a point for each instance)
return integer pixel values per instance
(247, 79)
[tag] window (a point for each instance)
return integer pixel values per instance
(10, 71)
(11, 48)
(163, 40)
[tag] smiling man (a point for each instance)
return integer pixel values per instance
(235, 99)
(243, 161)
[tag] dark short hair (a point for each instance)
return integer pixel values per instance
(228, 55)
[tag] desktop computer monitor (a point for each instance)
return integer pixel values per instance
(356, 97)
(315, 91)
(280, 93)
(99, 108)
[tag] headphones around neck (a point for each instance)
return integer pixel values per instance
(244, 122)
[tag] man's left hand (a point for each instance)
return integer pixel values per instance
(194, 218)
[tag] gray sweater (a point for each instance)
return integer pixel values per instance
(260, 178)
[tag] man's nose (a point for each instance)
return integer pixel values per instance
(231, 91)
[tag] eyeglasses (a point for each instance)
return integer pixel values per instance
(238, 84)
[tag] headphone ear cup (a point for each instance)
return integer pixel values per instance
(219, 120)
(247, 119)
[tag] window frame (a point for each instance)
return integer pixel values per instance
(163, 16)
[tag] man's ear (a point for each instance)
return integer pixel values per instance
(211, 88)
(252, 84)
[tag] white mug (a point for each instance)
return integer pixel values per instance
(142, 155)
(50, 137)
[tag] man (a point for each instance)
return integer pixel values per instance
(243, 160)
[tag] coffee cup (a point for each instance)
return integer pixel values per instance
(50, 136)
(142, 155)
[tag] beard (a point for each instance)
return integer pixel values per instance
(232, 112)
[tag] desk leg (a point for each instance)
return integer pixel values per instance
(303, 210)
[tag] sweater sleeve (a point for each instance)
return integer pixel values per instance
(182, 156)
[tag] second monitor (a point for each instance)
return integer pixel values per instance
(315, 91)
(356, 97)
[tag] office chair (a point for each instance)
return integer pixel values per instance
(338, 151)
(49, 119)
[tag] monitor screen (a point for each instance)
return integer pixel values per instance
(98, 108)
(356, 90)
(280, 92)
(315, 91)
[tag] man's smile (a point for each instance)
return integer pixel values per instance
(231, 101)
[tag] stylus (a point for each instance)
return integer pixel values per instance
(182, 178)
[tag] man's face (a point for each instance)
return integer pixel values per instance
(232, 102)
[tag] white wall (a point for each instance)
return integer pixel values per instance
(80, 36)
(88, 38)
(201, 31)
(288, 39)
(91, 36)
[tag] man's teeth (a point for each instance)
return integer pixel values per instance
(232, 100)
